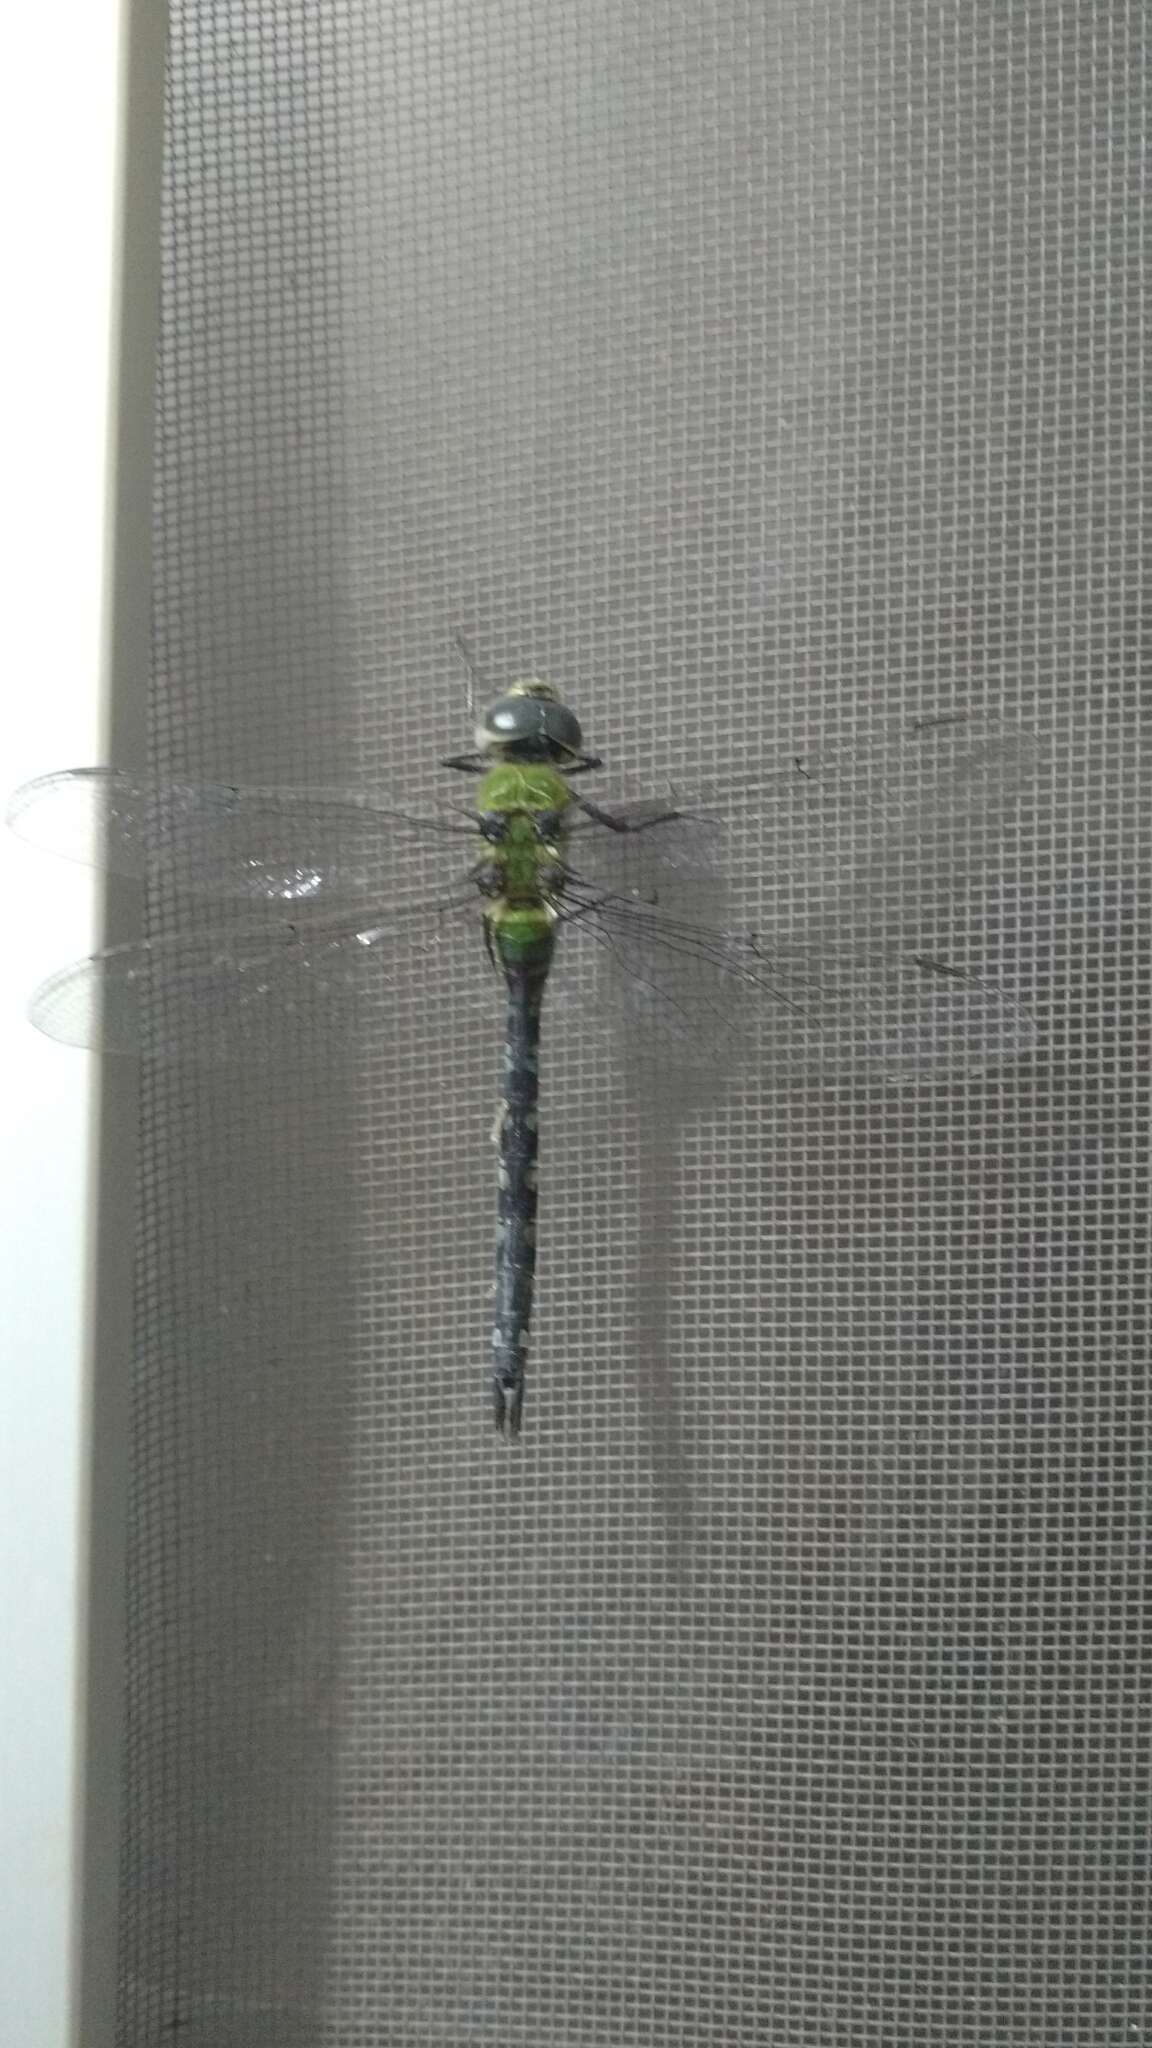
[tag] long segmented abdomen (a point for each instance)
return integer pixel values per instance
(517, 1142)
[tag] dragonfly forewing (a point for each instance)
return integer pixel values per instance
(830, 828)
(274, 846)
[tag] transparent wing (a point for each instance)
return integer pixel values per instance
(823, 820)
(690, 996)
(686, 995)
(660, 924)
(260, 845)
(890, 767)
(298, 845)
(282, 993)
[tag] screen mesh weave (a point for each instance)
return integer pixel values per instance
(755, 373)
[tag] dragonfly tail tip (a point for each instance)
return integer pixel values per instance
(507, 1406)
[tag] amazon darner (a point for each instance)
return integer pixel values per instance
(631, 910)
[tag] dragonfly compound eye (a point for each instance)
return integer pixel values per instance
(531, 724)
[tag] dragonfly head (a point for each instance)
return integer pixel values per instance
(531, 723)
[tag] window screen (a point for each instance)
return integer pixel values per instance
(769, 378)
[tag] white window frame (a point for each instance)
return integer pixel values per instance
(80, 158)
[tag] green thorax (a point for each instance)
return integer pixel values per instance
(523, 786)
(520, 920)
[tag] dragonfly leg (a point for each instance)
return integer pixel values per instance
(600, 817)
(488, 880)
(475, 764)
(475, 672)
(490, 948)
(582, 907)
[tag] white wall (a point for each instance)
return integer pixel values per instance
(66, 91)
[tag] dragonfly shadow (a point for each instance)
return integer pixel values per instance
(670, 1083)
(667, 1422)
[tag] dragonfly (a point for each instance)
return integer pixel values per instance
(619, 909)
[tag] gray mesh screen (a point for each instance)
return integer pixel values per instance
(754, 373)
